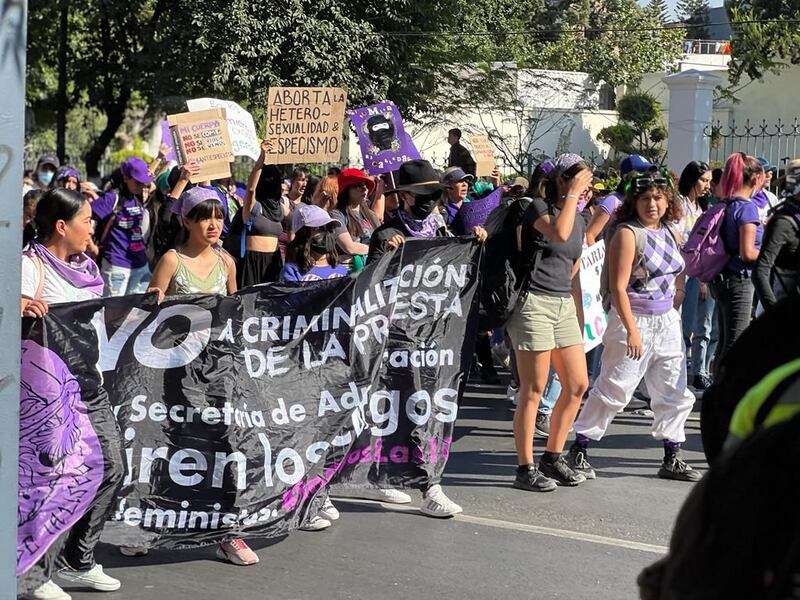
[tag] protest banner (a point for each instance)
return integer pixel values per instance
(305, 124)
(594, 317)
(236, 412)
(475, 213)
(241, 127)
(166, 138)
(202, 137)
(384, 142)
(483, 151)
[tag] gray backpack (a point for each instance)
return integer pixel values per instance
(640, 237)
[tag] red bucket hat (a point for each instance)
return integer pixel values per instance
(351, 177)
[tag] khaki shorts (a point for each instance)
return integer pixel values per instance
(542, 323)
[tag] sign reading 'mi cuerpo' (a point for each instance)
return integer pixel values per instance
(305, 124)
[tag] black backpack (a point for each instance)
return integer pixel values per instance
(506, 270)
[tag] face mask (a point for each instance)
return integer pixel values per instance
(322, 242)
(45, 177)
(423, 206)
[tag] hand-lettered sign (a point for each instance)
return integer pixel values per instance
(202, 137)
(305, 124)
(484, 155)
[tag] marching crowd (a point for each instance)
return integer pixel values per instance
(148, 228)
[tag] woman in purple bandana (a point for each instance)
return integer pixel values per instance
(121, 235)
(55, 269)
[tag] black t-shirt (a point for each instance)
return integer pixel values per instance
(551, 275)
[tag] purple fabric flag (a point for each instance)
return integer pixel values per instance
(384, 142)
(475, 213)
(166, 138)
(60, 460)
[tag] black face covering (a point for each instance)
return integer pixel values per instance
(322, 242)
(424, 205)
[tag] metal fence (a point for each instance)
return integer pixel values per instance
(777, 143)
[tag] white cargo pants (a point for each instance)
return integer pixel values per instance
(663, 367)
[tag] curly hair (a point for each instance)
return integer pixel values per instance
(627, 210)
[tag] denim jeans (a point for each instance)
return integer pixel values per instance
(734, 296)
(689, 310)
(704, 336)
(550, 395)
(122, 281)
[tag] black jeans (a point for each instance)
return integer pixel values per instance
(734, 294)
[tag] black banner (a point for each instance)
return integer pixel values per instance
(235, 412)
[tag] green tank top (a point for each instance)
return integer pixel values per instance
(186, 282)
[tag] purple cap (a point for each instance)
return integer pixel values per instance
(136, 168)
(635, 162)
(309, 215)
(191, 198)
(66, 172)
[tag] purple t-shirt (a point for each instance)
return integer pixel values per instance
(740, 211)
(610, 203)
(124, 244)
(291, 272)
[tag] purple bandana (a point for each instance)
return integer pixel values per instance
(426, 228)
(81, 271)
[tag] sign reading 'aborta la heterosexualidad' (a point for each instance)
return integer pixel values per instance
(237, 412)
(305, 124)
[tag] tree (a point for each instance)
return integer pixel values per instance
(694, 13)
(659, 9)
(766, 38)
(639, 130)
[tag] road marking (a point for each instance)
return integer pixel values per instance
(539, 529)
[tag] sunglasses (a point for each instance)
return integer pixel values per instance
(641, 184)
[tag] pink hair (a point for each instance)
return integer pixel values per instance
(739, 171)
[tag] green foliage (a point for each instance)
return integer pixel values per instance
(695, 14)
(639, 130)
(760, 48)
(137, 150)
(659, 9)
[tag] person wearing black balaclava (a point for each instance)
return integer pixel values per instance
(419, 191)
(381, 131)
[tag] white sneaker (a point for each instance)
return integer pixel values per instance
(133, 550)
(48, 591)
(329, 511)
(388, 495)
(316, 523)
(512, 394)
(437, 504)
(94, 578)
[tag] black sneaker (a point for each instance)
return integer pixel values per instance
(489, 376)
(533, 481)
(542, 425)
(674, 468)
(560, 471)
(577, 459)
(701, 383)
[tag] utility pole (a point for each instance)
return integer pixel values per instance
(13, 24)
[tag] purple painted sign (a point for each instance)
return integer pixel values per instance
(166, 138)
(384, 142)
(476, 212)
(60, 460)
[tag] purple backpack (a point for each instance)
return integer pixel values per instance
(704, 250)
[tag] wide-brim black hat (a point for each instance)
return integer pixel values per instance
(417, 177)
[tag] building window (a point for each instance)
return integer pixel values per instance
(608, 98)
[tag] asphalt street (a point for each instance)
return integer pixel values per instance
(588, 542)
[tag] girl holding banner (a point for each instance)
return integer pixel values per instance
(56, 269)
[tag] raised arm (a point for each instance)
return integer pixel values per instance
(559, 229)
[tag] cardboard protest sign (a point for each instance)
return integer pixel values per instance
(595, 318)
(305, 124)
(241, 127)
(484, 155)
(202, 137)
(166, 138)
(383, 140)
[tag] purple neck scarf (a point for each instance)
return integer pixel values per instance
(426, 228)
(80, 272)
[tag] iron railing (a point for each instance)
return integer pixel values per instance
(777, 143)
